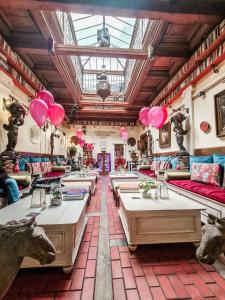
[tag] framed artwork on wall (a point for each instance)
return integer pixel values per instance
(165, 136)
(220, 114)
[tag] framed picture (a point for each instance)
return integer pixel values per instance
(165, 136)
(220, 114)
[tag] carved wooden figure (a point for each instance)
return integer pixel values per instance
(213, 240)
(17, 240)
(179, 131)
(16, 119)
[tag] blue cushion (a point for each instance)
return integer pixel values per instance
(164, 158)
(2, 192)
(220, 159)
(174, 162)
(44, 159)
(201, 159)
(22, 163)
(35, 159)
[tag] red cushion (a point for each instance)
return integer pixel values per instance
(53, 174)
(148, 173)
(209, 191)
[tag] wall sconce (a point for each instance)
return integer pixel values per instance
(202, 94)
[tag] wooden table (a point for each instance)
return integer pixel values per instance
(150, 221)
(77, 178)
(115, 187)
(127, 175)
(64, 225)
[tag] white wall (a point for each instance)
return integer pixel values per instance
(200, 109)
(7, 88)
(105, 136)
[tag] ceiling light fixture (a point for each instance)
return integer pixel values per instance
(103, 87)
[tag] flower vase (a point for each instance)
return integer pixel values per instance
(146, 194)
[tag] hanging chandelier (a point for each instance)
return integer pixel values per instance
(103, 36)
(103, 87)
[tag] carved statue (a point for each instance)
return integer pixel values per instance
(179, 131)
(52, 138)
(213, 240)
(17, 240)
(16, 119)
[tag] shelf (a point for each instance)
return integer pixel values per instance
(17, 67)
(19, 85)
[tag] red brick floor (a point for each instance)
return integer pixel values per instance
(167, 271)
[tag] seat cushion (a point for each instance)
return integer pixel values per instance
(202, 189)
(149, 173)
(201, 159)
(53, 174)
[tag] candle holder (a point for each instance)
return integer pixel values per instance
(162, 191)
(38, 197)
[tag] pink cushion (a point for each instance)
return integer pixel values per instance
(148, 173)
(206, 173)
(53, 174)
(155, 164)
(208, 191)
(36, 167)
(46, 167)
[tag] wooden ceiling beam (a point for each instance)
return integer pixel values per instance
(56, 85)
(108, 72)
(192, 11)
(159, 73)
(44, 68)
(73, 50)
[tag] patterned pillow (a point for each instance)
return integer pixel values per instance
(206, 173)
(155, 165)
(36, 167)
(46, 167)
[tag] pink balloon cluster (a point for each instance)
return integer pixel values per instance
(79, 134)
(43, 107)
(156, 116)
(90, 147)
(123, 133)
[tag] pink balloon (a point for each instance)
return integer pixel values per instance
(158, 116)
(79, 133)
(39, 111)
(124, 136)
(122, 129)
(144, 116)
(81, 142)
(46, 96)
(56, 114)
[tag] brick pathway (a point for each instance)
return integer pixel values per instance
(168, 271)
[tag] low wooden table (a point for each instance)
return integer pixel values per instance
(150, 221)
(115, 187)
(127, 175)
(76, 178)
(64, 225)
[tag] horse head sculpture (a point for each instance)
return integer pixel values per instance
(213, 240)
(17, 240)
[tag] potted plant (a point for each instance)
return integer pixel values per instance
(121, 170)
(56, 197)
(72, 150)
(146, 185)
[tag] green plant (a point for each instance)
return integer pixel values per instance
(56, 194)
(147, 184)
(72, 149)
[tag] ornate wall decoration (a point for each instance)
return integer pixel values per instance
(165, 136)
(220, 114)
(131, 142)
(34, 134)
(205, 126)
